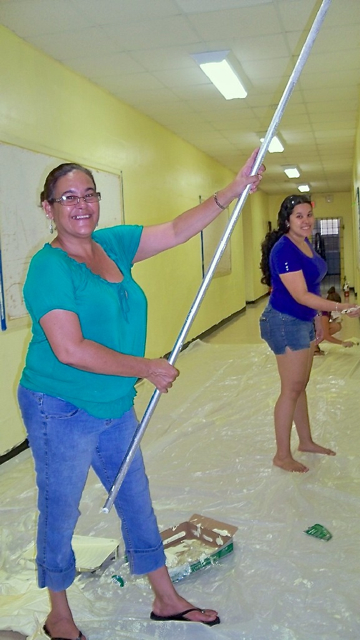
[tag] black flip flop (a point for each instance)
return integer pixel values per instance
(46, 630)
(180, 617)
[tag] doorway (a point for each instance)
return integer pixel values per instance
(328, 241)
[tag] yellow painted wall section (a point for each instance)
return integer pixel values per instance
(256, 228)
(49, 109)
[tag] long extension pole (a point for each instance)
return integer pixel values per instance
(220, 249)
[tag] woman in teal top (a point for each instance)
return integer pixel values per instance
(111, 313)
(77, 388)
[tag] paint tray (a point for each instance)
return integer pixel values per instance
(90, 552)
(195, 544)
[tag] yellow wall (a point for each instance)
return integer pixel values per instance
(47, 108)
(255, 228)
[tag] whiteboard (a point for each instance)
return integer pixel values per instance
(23, 226)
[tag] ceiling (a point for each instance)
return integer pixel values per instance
(140, 51)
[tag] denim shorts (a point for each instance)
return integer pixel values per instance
(280, 330)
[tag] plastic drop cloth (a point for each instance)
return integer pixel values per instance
(208, 449)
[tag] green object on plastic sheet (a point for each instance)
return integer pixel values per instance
(118, 579)
(319, 531)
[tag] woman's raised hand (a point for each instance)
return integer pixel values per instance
(244, 178)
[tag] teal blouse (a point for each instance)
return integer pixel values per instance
(113, 314)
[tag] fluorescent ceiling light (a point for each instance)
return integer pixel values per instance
(304, 188)
(219, 66)
(275, 145)
(292, 172)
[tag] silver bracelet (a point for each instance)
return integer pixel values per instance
(217, 201)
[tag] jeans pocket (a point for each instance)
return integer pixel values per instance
(264, 328)
(58, 408)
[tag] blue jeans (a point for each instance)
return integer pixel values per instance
(280, 330)
(65, 441)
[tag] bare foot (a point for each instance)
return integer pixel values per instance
(312, 447)
(179, 605)
(62, 628)
(289, 464)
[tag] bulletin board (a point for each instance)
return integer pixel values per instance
(23, 225)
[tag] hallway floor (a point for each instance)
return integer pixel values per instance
(208, 449)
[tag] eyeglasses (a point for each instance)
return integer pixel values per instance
(70, 200)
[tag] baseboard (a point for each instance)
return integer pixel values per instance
(265, 295)
(14, 452)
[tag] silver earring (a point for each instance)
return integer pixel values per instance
(51, 226)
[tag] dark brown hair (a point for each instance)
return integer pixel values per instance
(57, 173)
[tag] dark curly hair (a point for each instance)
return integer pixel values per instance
(286, 209)
(56, 174)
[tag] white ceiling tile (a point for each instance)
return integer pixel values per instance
(80, 43)
(330, 79)
(177, 77)
(166, 58)
(41, 17)
(270, 68)
(236, 23)
(105, 66)
(260, 47)
(256, 99)
(204, 6)
(193, 129)
(340, 125)
(333, 61)
(332, 106)
(140, 51)
(124, 11)
(329, 93)
(241, 121)
(304, 10)
(159, 96)
(335, 134)
(335, 116)
(342, 14)
(139, 82)
(330, 39)
(153, 34)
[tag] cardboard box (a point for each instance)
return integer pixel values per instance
(195, 544)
